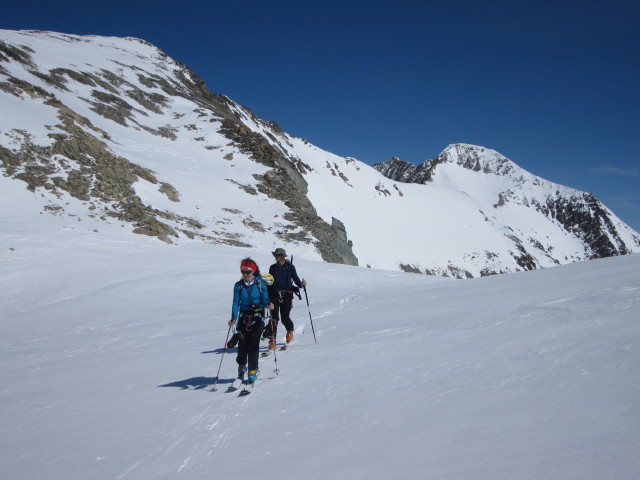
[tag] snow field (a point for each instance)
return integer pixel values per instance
(110, 349)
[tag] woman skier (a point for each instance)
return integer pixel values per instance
(250, 298)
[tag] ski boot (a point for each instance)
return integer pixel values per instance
(241, 370)
(253, 374)
(290, 336)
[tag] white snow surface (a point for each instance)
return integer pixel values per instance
(111, 343)
(449, 224)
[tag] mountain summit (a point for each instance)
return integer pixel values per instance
(492, 179)
(103, 132)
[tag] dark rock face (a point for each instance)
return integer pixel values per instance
(284, 181)
(586, 217)
(405, 172)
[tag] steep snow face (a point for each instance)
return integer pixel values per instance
(113, 130)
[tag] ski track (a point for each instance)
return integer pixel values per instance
(220, 426)
(128, 471)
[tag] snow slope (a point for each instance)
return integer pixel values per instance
(203, 166)
(111, 342)
(134, 100)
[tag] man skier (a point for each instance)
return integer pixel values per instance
(281, 295)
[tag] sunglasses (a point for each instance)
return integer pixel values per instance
(246, 272)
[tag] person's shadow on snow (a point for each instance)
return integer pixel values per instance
(200, 383)
(197, 383)
(221, 350)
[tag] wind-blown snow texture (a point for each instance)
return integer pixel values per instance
(111, 342)
(141, 106)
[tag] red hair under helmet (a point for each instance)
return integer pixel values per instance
(248, 264)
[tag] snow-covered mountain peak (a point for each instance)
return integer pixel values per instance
(477, 158)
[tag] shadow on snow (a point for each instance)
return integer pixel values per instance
(197, 383)
(222, 350)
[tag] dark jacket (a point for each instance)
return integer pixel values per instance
(284, 276)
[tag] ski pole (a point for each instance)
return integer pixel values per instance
(273, 339)
(275, 357)
(312, 329)
(221, 358)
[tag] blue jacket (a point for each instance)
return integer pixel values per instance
(246, 298)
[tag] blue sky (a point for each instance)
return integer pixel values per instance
(554, 86)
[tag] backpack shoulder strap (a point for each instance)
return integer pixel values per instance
(258, 282)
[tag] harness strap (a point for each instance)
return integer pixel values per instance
(257, 282)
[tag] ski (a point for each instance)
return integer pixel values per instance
(247, 389)
(234, 386)
(268, 352)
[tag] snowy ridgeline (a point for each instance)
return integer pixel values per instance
(110, 348)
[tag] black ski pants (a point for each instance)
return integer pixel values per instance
(250, 327)
(282, 312)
